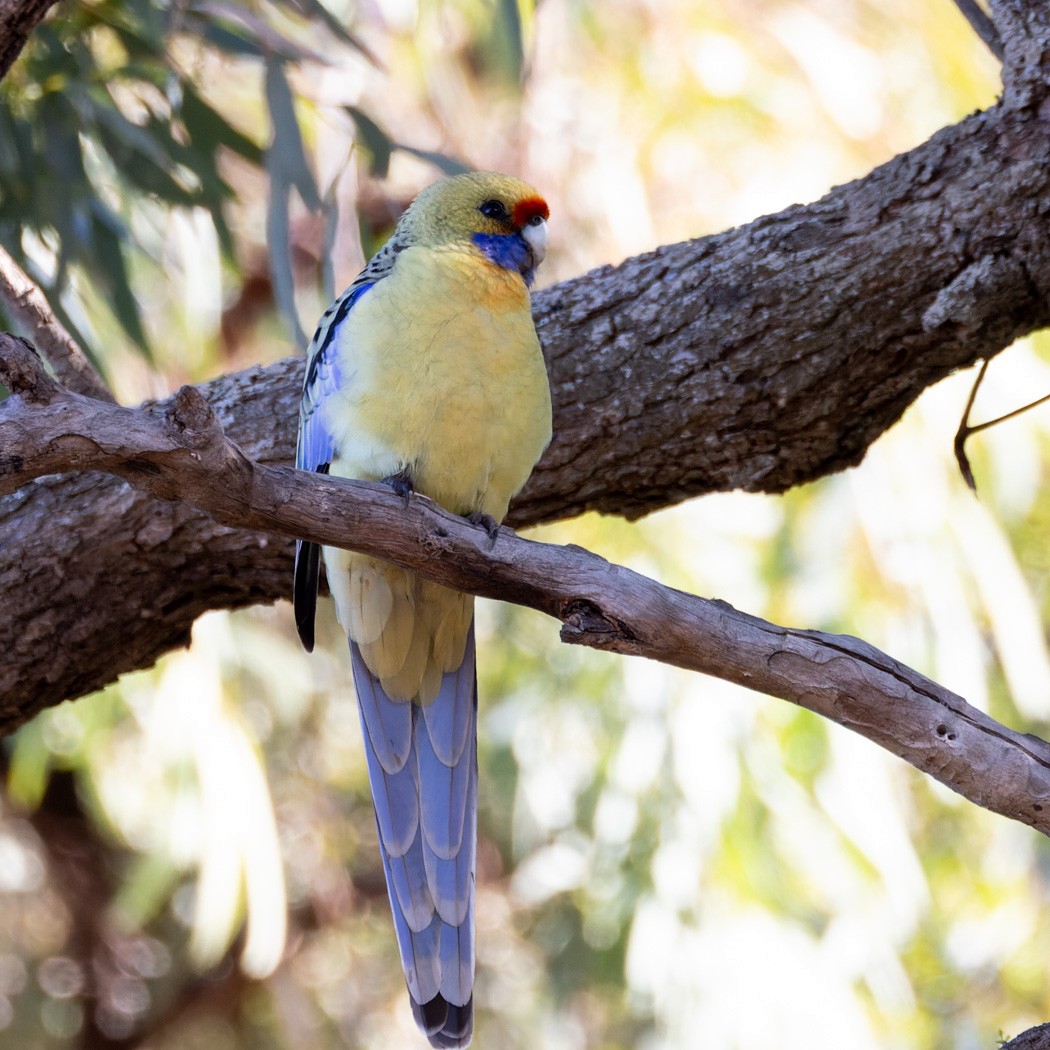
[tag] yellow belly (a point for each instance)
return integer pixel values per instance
(442, 376)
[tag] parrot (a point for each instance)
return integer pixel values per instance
(427, 374)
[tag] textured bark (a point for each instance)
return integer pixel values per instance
(18, 18)
(759, 358)
(1037, 1038)
(104, 578)
(180, 447)
(777, 352)
(27, 305)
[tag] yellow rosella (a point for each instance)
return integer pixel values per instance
(427, 373)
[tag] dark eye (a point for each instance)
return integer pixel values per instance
(493, 209)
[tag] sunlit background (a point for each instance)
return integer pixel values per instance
(188, 859)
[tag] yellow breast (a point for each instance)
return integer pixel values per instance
(443, 375)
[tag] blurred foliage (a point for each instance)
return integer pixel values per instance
(665, 861)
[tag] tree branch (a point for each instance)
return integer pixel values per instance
(1024, 28)
(755, 359)
(26, 304)
(18, 18)
(982, 25)
(179, 450)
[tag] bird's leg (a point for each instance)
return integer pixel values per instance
(401, 483)
(487, 522)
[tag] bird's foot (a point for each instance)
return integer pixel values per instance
(401, 483)
(487, 522)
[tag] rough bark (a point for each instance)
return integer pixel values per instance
(759, 358)
(180, 448)
(18, 18)
(1037, 1038)
(28, 306)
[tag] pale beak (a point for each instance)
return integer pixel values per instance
(535, 234)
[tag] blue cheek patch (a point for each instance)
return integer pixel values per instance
(508, 250)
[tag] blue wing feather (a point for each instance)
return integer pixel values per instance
(316, 445)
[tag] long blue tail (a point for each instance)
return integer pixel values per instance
(423, 768)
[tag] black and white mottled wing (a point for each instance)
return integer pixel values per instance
(316, 446)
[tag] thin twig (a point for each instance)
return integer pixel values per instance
(966, 431)
(26, 303)
(983, 26)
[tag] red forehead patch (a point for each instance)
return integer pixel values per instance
(528, 208)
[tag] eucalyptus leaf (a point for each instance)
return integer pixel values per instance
(442, 161)
(375, 140)
(286, 153)
(209, 129)
(280, 253)
(110, 271)
(316, 9)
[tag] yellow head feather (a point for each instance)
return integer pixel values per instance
(453, 210)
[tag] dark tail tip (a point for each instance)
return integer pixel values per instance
(446, 1026)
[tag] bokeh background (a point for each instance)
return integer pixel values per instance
(188, 859)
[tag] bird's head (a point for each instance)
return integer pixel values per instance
(498, 215)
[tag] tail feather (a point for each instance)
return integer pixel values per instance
(409, 878)
(425, 800)
(448, 724)
(396, 800)
(388, 725)
(443, 805)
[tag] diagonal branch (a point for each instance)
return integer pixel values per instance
(179, 449)
(18, 18)
(27, 304)
(982, 25)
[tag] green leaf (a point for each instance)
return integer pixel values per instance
(230, 40)
(442, 161)
(375, 140)
(29, 766)
(286, 153)
(208, 128)
(511, 38)
(141, 155)
(380, 147)
(279, 241)
(110, 271)
(316, 10)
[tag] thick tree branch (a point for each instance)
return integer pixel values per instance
(1024, 28)
(179, 450)
(757, 359)
(18, 18)
(26, 304)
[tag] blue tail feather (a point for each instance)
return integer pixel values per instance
(426, 814)
(388, 725)
(449, 724)
(443, 805)
(408, 877)
(396, 800)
